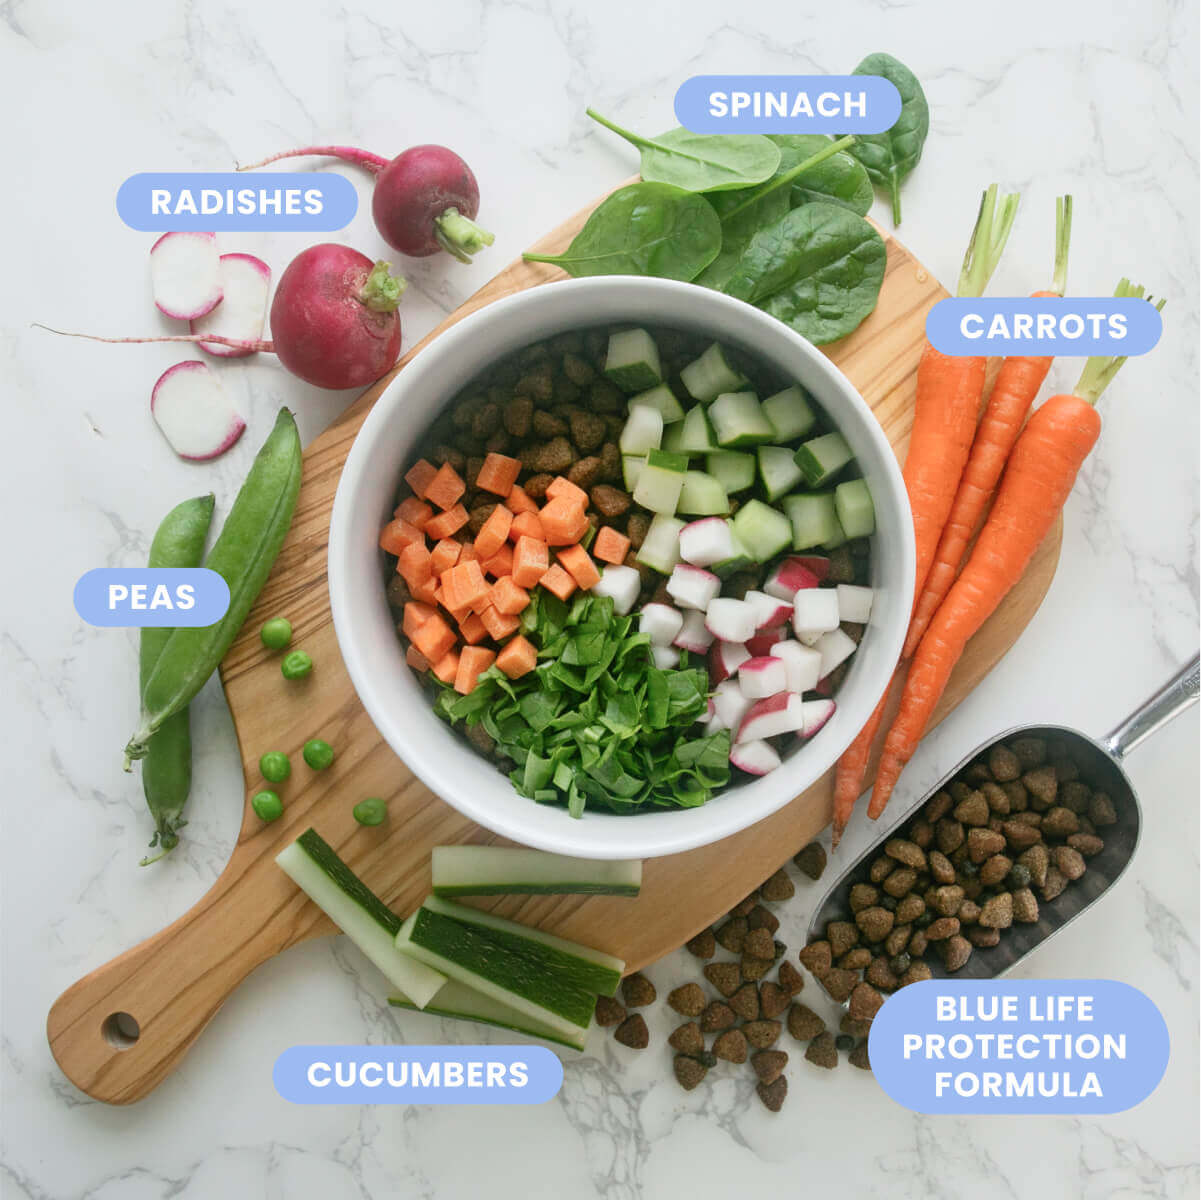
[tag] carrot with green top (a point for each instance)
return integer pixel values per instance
(1041, 471)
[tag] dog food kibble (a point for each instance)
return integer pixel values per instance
(716, 1017)
(609, 1011)
(790, 979)
(731, 1046)
(704, 945)
(773, 1094)
(688, 1000)
(687, 1039)
(637, 991)
(689, 1072)
(725, 976)
(633, 1032)
(823, 1051)
(811, 860)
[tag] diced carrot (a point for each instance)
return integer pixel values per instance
(415, 511)
(472, 629)
(425, 592)
(493, 532)
(501, 563)
(447, 667)
(468, 553)
(563, 521)
(445, 554)
(610, 546)
(558, 581)
(435, 639)
(416, 659)
(499, 625)
(498, 474)
(415, 614)
(530, 560)
(520, 500)
(398, 534)
(473, 662)
(517, 658)
(414, 563)
(419, 476)
(561, 486)
(469, 585)
(508, 598)
(579, 566)
(526, 524)
(446, 488)
(446, 524)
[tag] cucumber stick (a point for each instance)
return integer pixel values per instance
(314, 865)
(498, 870)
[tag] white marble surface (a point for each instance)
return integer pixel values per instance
(1099, 98)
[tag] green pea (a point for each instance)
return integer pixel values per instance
(296, 665)
(267, 806)
(318, 754)
(371, 811)
(275, 766)
(277, 633)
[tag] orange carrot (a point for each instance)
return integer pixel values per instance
(852, 766)
(498, 474)
(1041, 471)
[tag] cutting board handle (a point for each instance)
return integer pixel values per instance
(120, 1030)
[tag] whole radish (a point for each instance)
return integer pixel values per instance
(426, 198)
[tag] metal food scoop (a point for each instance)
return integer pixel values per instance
(1100, 764)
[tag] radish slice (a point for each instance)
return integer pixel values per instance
(791, 576)
(802, 664)
(772, 610)
(755, 758)
(693, 635)
(185, 274)
(729, 704)
(194, 412)
(816, 713)
(660, 623)
(854, 603)
(692, 587)
(834, 647)
(781, 713)
(815, 612)
(245, 280)
(762, 643)
(724, 660)
(731, 620)
(762, 677)
(621, 585)
(665, 658)
(707, 541)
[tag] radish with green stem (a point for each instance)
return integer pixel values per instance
(185, 275)
(245, 282)
(425, 200)
(194, 412)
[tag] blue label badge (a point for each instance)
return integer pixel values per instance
(418, 1074)
(787, 104)
(120, 597)
(1048, 325)
(1019, 1046)
(205, 201)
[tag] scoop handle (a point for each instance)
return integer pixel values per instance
(1156, 711)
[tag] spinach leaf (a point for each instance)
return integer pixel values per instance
(644, 229)
(701, 162)
(840, 180)
(891, 155)
(818, 269)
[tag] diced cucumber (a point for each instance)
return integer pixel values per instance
(673, 438)
(643, 431)
(462, 1003)
(315, 867)
(823, 457)
(710, 375)
(762, 530)
(735, 470)
(499, 870)
(738, 420)
(856, 512)
(702, 496)
(633, 360)
(631, 469)
(812, 517)
(738, 561)
(660, 548)
(660, 481)
(778, 470)
(838, 537)
(663, 399)
(790, 413)
(667, 460)
(697, 436)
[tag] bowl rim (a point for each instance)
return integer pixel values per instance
(711, 822)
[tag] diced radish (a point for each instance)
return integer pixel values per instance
(854, 603)
(815, 611)
(706, 542)
(802, 664)
(755, 758)
(771, 610)
(731, 620)
(816, 714)
(834, 647)
(621, 585)
(195, 412)
(781, 713)
(692, 587)
(761, 677)
(729, 704)
(818, 564)
(790, 577)
(693, 635)
(185, 274)
(762, 643)
(245, 281)
(714, 725)
(724, 660)
(665, 657)
(660, 622)
(710, 711)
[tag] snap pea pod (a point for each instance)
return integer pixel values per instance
(167, 768)
(242, 555)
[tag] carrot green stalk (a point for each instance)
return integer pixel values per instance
(1041, 471)
(1014, 391)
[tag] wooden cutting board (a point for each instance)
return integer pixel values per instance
(173, 983)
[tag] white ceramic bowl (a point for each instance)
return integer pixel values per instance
(366, 494)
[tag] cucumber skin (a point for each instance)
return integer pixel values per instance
(451, 891)
(545, 1035)
(327, 859)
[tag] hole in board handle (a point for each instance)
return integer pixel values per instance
(120, 1030)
